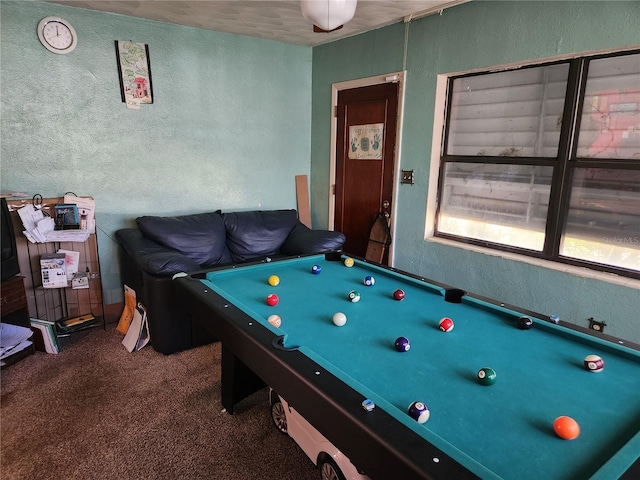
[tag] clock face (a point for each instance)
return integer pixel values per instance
(57, 35)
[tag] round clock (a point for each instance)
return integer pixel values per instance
(57, 35)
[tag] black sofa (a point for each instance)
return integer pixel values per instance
(150, 255)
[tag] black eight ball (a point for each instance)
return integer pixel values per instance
(525, 323)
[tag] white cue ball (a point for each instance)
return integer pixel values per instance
(339, 319)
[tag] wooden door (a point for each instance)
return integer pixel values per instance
(365, 157)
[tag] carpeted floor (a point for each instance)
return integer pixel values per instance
(95, 411)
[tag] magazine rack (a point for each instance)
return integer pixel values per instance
(58, 304)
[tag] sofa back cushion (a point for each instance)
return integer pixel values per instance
(200, 237)
(258, 234)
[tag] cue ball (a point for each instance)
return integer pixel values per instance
(487, 376)
(446, 324)
(348, 262)
(316, 269)
(566, 427)
(369, 281)
(419, 412)
(339, 319)
(525, 323)
(593, 363)
(402, 344)
(275, 320)
(274, 280)
(354, 296)
(272, 299)
(398, 294)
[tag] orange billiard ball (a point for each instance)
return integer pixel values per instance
(566, 427)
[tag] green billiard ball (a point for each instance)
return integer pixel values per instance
(487, 376)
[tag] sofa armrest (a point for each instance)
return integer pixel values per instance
(303, 240)
(152, 257)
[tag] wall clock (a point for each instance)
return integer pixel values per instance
(57, 35)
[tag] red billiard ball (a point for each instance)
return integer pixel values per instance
(446, 324)
(402, 344)
(398, 294)
(272, 299)
(593, 363)
(566, 427)
(419, 412)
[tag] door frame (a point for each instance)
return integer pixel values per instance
(398, 77)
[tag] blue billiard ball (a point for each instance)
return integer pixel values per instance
(369, 280)
(402, 344)
(316, 269)
(419, 412)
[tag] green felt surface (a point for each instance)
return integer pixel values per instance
(499, 431)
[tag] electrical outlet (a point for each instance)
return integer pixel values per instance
(595, 325)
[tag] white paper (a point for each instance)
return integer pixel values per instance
(13, 338)
(72, 260)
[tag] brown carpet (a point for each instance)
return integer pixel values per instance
(95, 411)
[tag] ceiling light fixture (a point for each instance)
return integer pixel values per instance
(328, 15)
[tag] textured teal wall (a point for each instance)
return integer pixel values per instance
(476, 35)
(230, 126)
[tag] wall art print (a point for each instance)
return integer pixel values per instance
(365, 141)
(135, 73)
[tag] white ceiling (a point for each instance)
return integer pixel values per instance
(279, 20)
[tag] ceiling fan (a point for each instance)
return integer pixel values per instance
(328, 15)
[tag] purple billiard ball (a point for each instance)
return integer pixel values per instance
(419, 412)
(402, 344)
(316, 269)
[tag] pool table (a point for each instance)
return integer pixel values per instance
(499, 431)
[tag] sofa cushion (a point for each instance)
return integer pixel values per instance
(258, 234)
(200, 237)
(302, 240)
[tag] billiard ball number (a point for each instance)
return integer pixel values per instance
(354, 296)
(593, 363)
(275, 320)
(487, 376)
(419, 412)
(446, 324)
(402, 344)
(272, 299)
(566, 427)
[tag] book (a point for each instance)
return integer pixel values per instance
(138, 333)
(73, 324)
(48, 331)
(67, 217)
(54, 273)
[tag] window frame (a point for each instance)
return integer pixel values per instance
(564, 164)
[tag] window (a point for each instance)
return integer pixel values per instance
(544, 160)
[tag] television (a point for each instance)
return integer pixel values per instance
(10, 266)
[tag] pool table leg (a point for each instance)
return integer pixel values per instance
(238, 381)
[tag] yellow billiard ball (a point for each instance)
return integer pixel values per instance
(274, 280)
(348, 262)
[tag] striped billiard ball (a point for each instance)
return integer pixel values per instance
(419, 412)
(593, 363)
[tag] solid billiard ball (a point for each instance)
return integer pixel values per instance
(402, 344)
(316, 269)
(398, 294)
(272, 299)
(525, 323)
(354, 296)
(419, 412)
(566, 427)
(593, 363)
(348, 262)
(275, 320)
(274, 280)
(369, 280)
(446, 324)
(487, 376)
(339, 319)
